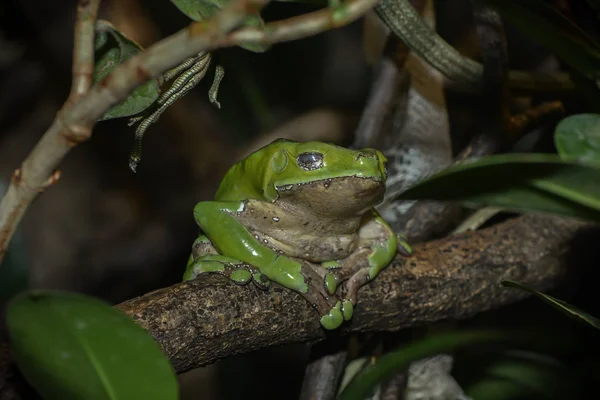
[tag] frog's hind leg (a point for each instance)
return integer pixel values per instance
(239, 272)
(202, 246)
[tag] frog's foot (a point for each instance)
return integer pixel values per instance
(361, 267)
(333, 310)
(239, 272)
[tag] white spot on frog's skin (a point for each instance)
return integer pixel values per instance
(275, 219)
(265, 241)
(241, 208)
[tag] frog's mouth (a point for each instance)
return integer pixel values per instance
(348, 194)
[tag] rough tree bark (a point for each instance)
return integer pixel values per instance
(202, 321)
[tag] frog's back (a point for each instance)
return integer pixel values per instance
(245, 180)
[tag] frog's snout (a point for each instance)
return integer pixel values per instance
(371, 159)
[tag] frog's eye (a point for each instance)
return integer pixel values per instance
(310, 161)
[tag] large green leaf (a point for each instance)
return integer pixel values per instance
(551, 29)
(518, 182)
(200, 10)
(114, 48)
(71, 346)
(578, 136)
(560, 305)
(360, 387)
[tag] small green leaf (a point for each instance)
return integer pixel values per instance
(551, 29)
(517, 182)
(71, 346)
(563, 306)
(578, 136)
(200, 10)
(360, 387)
(113, 49)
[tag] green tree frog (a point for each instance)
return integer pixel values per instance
(300, 215)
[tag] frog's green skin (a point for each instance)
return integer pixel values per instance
(300, 215)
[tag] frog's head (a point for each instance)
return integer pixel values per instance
(324, 178)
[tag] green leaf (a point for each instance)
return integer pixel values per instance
(362, 385)
(578, 136)
(71, 346)
(551, 29)
(525, 375)
(560, 305)
(200, 10)
(112, 49)
(517, 182)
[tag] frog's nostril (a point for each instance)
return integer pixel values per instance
(366, 154)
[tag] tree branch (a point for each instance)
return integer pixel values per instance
(32, 178)
(202, 321)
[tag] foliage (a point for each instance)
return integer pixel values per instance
(112, 49)
(71, 346)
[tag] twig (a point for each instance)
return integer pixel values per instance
(33, 176)
(73, 123)
(201, 321)
(83, 49)
(301, 26)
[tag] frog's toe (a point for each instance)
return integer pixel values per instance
(261, 281)
(331, 282)
(334, 318)
(347, 309)
(402, 245)
(241, 276)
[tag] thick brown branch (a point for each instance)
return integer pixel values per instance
(201, 321)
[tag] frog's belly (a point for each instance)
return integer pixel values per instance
(310, 248)
(296, 232)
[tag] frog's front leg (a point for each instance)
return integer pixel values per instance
(376, 249)
(239, 250)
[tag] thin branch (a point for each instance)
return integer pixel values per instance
(201, 321)
(83, 49)
(300, 26)
(30, 179)
(73, 123)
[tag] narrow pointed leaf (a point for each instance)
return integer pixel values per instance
(578, 136)
(560, 305)
(112, 49)
(518, 182)
(362, 385)
(525, 375)
(551, 29)
(71, 346)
